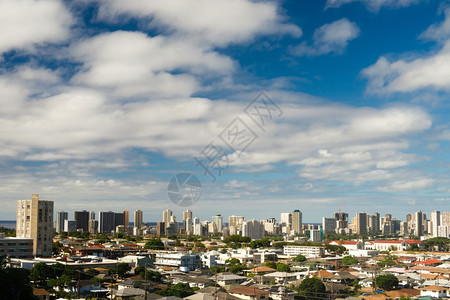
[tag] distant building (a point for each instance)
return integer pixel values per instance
(297, 221)
(60, 218)
(186, 262)
(328, 225)
(218, 220)
(126, 218)
(119, 219)
(253, 229)
(70, 225)
(187, 221)
(82, 220)
(35, 220)
(316, 235)
(106, 222)
(138, 218)
(361, 223)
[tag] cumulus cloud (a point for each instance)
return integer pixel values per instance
(25, 23)
(329, 38)
(432, 71)
(210, 21)
(440, 31)
(134, 64)
(373, 5)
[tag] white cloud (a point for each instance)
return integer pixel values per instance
(431, 72)
(134, 64)
(406, 185)
(329, 38)
(210, 21)
(439, 31)
(25, 23)
(373, 5)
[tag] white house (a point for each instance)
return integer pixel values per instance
(434, 291)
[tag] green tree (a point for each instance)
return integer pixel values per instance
(387, 282)
(217, 269)
(300, 258)
(349, 260)
(283, 267)
(154, 244)
(180, 290)
(41, 272)
(14, 282)
(271, 264)
(122, 269)
(312, 288)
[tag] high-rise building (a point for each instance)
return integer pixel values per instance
(218, 220)
(126, 218)
(253, 229)
(106, 222)
(187, 221)
(341, 221)
(35, 220)
(361, 223)
(297, 221)
(92, 215)
(235, 222)
(435, 222)
(328, 225)
(138, 217)
(60, 218)
(81, 218)
(119, 219)
(167, 214)
(417, 219)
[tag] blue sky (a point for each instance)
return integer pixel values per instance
(103, 102)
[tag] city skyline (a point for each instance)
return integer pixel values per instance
(344, 105)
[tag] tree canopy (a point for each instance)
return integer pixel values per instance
(387, 282)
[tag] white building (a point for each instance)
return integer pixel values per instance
(308, 251)
(188, 261)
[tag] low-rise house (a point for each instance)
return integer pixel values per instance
(281, 277)
(434, 291)
(343, 277)
(349, 245)
(136, 260)
(279, 293)
(249, 293)
(228, 278)
(183, 261)
(385, 245)
(197, 281)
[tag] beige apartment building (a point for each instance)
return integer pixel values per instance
(35, 220)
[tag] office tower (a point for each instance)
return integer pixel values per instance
(93, 226)
(297, 221)
(126, 219)
(212, 228)
(60, 218)
(417, 220)
(253, 229)
(160, 229)
(218, 220)
(70, 226)
(316, 235)
(187, 221)
(81, 219)
(92, 215)
(35, 220)
(118, 219)
(138, 217)
(167, 214)
(106, 222)
(361, 223)
(376, 222)
(328, 225)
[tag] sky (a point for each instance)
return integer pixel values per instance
(264, 106)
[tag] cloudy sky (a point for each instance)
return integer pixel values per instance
(272, 105)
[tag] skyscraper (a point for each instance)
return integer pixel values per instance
(417, 220)
(297, 221)
(82, 220)
(167, 214)
(218, 220)
(361, 223)
(253, 229)
(435, 222)
(235, 222)
(126, 218)
(106, 221)
(138, 217)
(60, 218)
(187, 221)
(35, 220)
